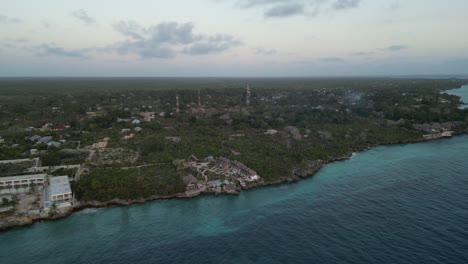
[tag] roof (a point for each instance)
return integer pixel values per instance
(54, 143)
(217, 183)
(35, 138)
(189, 179)
(23, 177)
(45, 139)
(59, 185)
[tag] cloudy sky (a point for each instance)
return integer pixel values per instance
(233, 37)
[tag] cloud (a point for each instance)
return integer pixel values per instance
(53, 50)
(211, 45)
(285, 10)
(84, 17)
(362, 53)
(395, 48)
(9, 20)
(165, 40)
(345, 4)
(288, 8)
(263, 51)
(254, 3)
(46, 24)
(168, 39)
(130, 29)
(395, 6)
(331, 59)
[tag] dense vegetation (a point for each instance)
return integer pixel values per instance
(308, 120)
(108, 183)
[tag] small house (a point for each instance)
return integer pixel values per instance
(59, 192)
(35, 138)
(189, 179)
(126, 137)
(59, 127)
(45, 140)
(54, 144)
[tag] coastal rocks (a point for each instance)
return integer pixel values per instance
(309, 168)
(15, 221)
(18, 220)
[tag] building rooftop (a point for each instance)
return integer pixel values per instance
(23, 177)
(59, 185)
(189, 179)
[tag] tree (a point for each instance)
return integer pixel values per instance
(5, 202)
(53, 210)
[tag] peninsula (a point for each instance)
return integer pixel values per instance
(68, 144)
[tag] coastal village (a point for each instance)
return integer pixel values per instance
(46, 195)
(39, 193)
(191, 143)
(216, 175)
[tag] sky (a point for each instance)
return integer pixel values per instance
(233, 38)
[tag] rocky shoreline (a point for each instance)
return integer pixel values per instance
(15, 221)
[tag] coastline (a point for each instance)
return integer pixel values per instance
(25, 221)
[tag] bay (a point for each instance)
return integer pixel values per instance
(463, 93)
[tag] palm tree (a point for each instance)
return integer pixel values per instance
(53, 210)
(5, 202)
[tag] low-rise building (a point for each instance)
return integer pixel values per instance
(54, 144)
(35, 138)
(59, 192)
(148, 116)
(44, 140)
(102, 144)
(126, 137)
(21, 183)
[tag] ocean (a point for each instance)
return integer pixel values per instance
(391, 204)
(463, 93)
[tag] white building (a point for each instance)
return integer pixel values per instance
(20, 183)
(59, 192)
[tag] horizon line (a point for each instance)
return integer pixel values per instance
(243, 77)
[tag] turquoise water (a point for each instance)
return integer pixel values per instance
(463, 93)
(391, 204)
